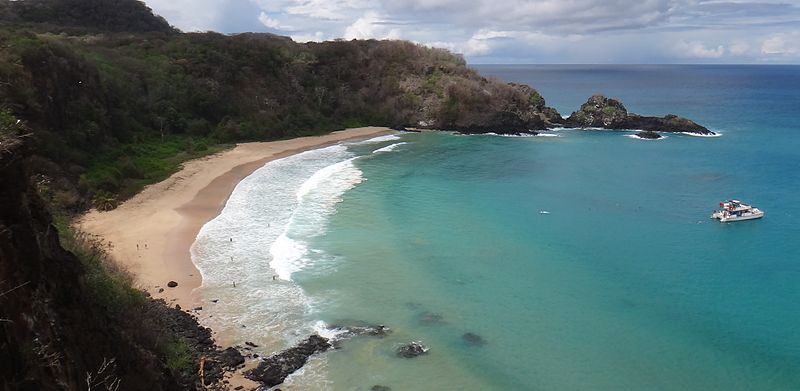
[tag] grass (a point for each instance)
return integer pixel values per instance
(110, 284)
(178, 357)
(127, 168)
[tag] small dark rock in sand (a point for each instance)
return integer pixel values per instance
(160, 290)
(248, 343)
(231, 358)
(215, 300)
(177, 306)
(412, 350)
(198, 308)
(274, 369)
(473, 339)
(172, 284)
(238, 388)
(379, 387)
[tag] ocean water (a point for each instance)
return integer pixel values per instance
(585, 260)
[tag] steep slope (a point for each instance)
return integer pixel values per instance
(85, 15)
(53, 334)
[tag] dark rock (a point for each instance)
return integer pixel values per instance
(214, 300)
(598, 112)
(412, 350)
(231, 358)
(648, 135)
(431, 319)
(238, 388)
(172, 284)
(198, 308)
(669, 123)
(357, 328)
(275, 368)
(160, 290)
(378, 387)
(251, 344)
(177, 306)
(473, 339)
(606, 113)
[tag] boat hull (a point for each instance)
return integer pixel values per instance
(730, 219)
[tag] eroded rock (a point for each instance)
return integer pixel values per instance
(412, 349)
(275, 368)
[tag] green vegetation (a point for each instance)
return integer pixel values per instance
(536, 99)
(610, 110)
(117, 99)
(11, 130)
(178, 357)
(111, 285)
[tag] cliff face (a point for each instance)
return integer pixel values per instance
(53, 335)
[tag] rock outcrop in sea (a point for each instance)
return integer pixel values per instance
(649, 135)
(412, 349)
(275, 368)
(602, 112)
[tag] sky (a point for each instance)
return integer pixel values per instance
(524, 31)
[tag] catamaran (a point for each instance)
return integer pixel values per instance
(735, 210)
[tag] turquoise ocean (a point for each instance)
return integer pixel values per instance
(584, 260)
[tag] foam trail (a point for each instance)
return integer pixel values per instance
(388, 148)
(380, 139)
(633, 136)
(716, 134)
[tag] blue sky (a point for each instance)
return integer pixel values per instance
(524, 31)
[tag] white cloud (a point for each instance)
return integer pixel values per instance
(271, 23)
(371, 25)
(523, 30)
(696, 49)
(781, 44)
(317, 36)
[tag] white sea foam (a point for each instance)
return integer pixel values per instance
(380, 139)
(548, 135)
(389, 148)
(646, 139)
(316, 201)
(716, 134)
(503, 134)
(268, 220)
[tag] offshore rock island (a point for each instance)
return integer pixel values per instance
(602, 112)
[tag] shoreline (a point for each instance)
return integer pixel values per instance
(151, 233)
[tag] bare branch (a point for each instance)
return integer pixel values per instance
(14, 288)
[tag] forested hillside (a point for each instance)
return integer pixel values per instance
(114, 106)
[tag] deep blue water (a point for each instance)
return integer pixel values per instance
(626, 284)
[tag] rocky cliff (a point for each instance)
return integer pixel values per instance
(53, 334)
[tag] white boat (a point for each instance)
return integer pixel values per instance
(735, 210)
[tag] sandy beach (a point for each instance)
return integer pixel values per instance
(151, 233)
